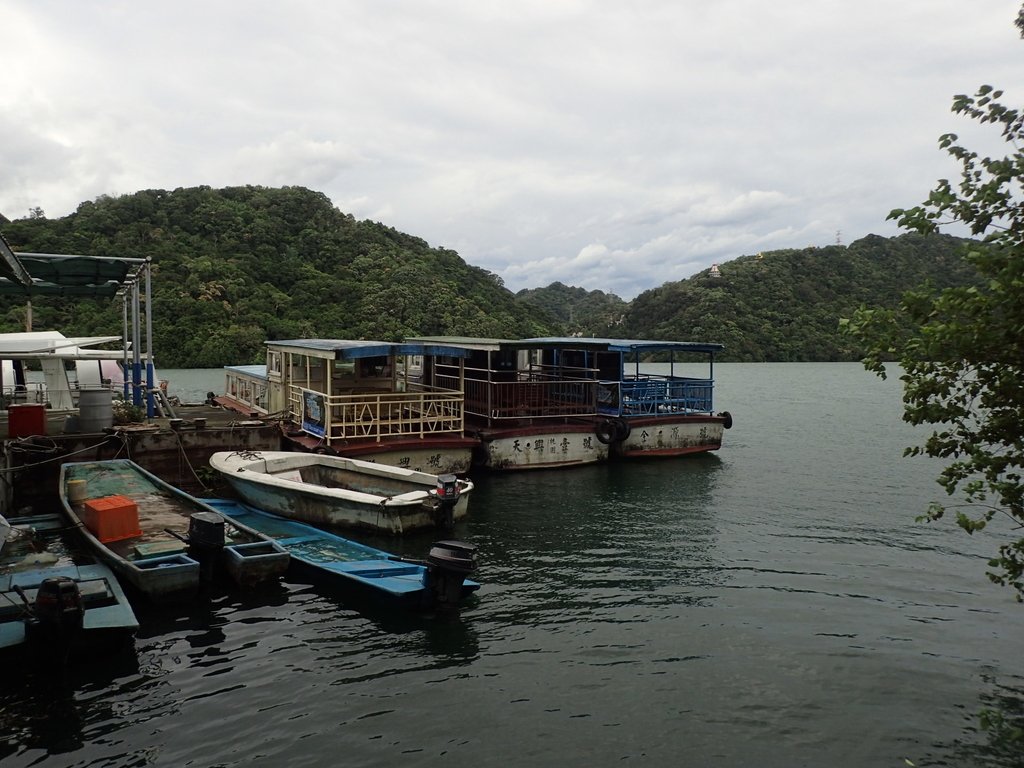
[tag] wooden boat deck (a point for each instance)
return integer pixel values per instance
(158, 509)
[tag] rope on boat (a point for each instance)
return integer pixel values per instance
(184, 455)
(19, 446)
(248, 455)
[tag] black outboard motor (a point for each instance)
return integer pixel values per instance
(57, 612)
(446, 496)
(448, 565)
(206, 542)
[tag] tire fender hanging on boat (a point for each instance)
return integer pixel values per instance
(726, 419)
(606, 431)
(622, 428)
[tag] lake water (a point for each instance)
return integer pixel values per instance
(773, 604)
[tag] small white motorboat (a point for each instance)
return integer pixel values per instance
(335, 491)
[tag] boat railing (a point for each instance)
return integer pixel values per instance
(32, 392)
(542, 372)
(529, 398)
(56, 399)
(378, 414)
(653, 395)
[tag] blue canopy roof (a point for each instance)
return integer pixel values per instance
(573, 342)
(351, 349)
(623, 345)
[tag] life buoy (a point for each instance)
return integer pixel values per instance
(726, 419)
(605, 431)
(622, 428)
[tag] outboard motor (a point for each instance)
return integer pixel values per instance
(445, 497)
(57, 612)
(448, 565)
(206, 542)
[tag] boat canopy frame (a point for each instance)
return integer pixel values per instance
(516, 380)
(341, 390)
(636, 394)
(31, 274)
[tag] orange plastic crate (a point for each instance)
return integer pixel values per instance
(112, 518)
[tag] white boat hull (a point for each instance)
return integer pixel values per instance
(339, 492)
(544, 447)
(430, 459)
(671, 436)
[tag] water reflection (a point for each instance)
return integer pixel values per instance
(611, 521)
(53, 710)
(992, 735)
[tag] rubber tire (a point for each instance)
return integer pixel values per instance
(622, 429)
(726, 419)
(606, 431)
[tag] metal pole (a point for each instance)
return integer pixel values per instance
(136, 344)
(125, 370)
(149, 344)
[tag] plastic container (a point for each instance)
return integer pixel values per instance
(78, 491)
(25, 420)
(112, 518)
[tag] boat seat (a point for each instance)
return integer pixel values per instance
(157, 549)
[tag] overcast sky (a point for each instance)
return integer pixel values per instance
(607, 145)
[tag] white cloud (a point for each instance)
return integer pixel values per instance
(605, 145)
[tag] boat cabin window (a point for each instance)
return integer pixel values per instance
(374, 367)
(274, 362)
(609, 366)
(414, 365)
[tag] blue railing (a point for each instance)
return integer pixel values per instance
(653, 396)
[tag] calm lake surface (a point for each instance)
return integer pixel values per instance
(773, 604)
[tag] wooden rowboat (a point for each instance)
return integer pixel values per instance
(324, 557)
(161, 540)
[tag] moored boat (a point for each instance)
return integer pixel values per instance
(644, 414)
(556, 402)
(325, 557)
(354, 398)
(51, 605)
(528, 411)
(161, 540)
(336, 491)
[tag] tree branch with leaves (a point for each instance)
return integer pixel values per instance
(963, 362)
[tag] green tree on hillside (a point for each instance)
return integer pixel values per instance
(235, 267)
(964, 365)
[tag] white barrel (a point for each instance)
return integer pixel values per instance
(95, 410)
(78, 491)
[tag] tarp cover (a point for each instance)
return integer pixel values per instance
(64, 275)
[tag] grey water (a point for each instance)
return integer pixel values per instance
(773, 604)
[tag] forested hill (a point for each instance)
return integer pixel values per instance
(576, 310)
(786, 305)
(234, 267)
